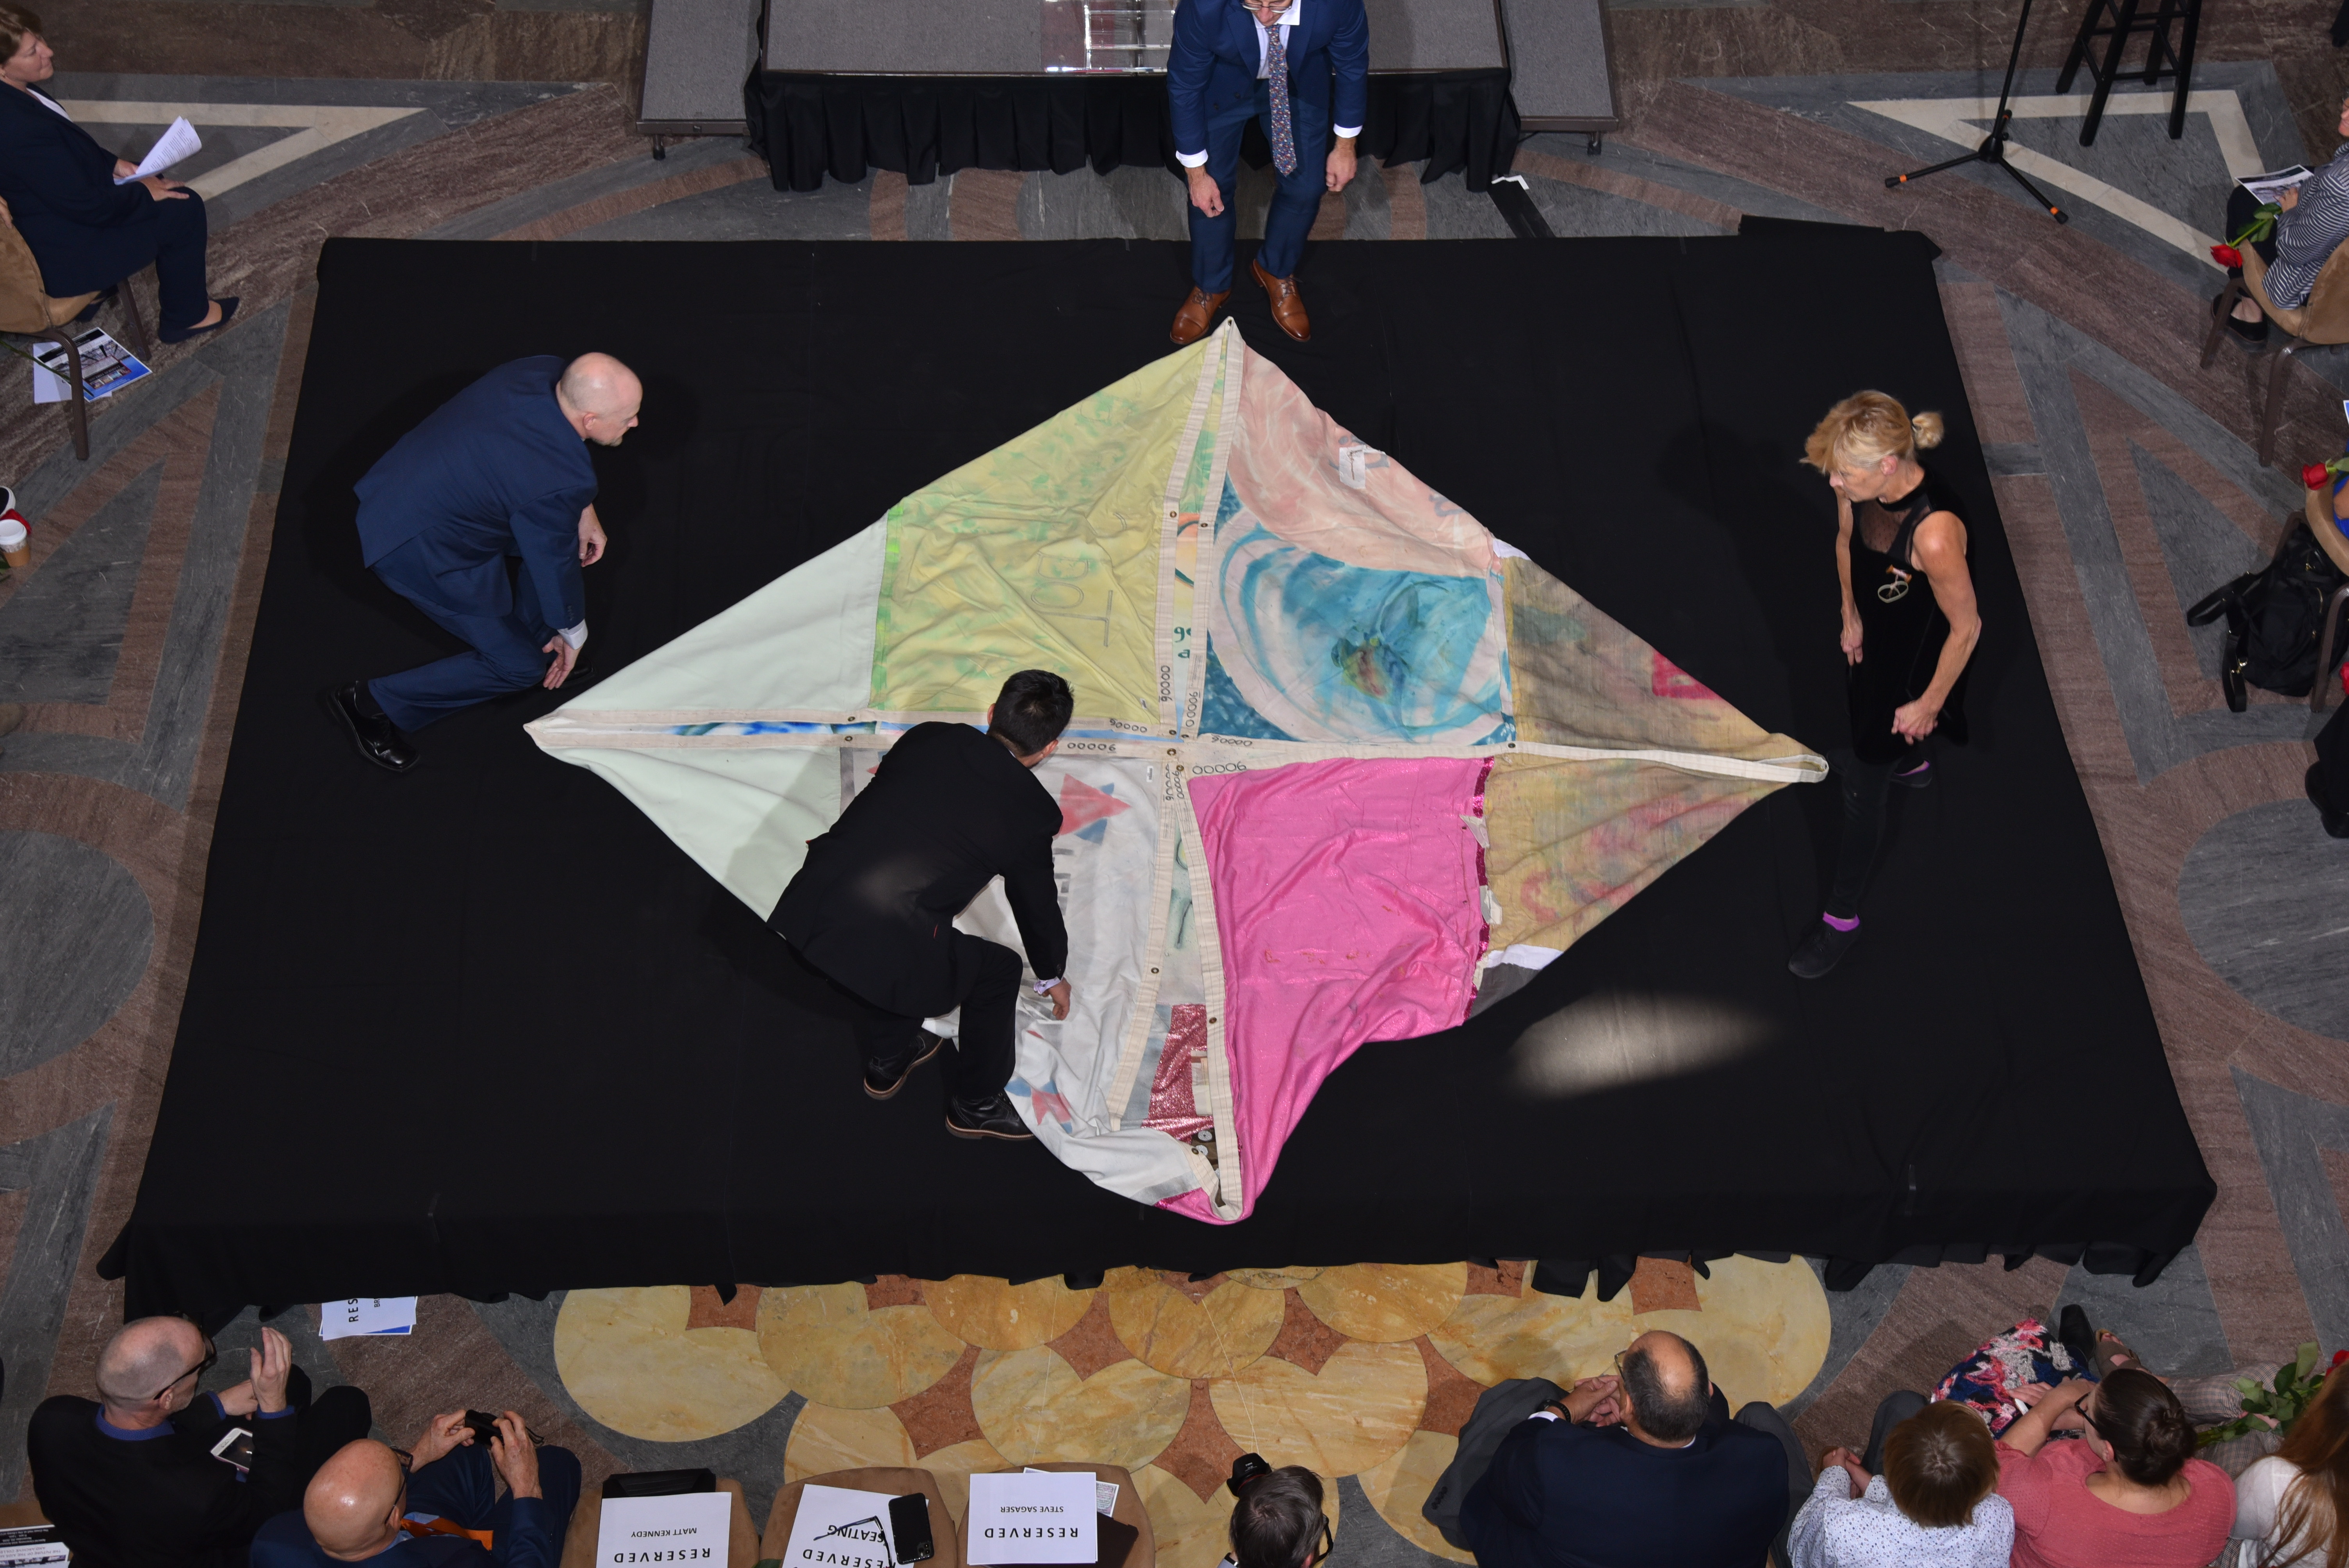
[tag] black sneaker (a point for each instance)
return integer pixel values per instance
(2335, 822)
(885, 1079)
(1822, 950)
(377, 739)
(1918, 778)
(990, 1117)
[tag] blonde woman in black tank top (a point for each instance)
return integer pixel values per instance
(1909, 625)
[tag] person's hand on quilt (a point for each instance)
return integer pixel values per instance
(1851, 1468)
(1595, 1401)
(590, 537)
(1852, 633)
(1060, 994)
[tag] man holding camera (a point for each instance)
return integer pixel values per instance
(154, 1476)
(436, 1505)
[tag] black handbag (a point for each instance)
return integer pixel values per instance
(2275, 619)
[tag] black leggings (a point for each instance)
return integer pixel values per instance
(2240, 205)
(1866, 787)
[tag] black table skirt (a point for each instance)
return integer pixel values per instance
(809, 124)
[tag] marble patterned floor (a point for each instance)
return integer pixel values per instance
(2126, 480)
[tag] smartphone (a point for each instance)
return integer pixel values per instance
(234, 1447)
(909, 1527)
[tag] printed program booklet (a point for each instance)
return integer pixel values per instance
(106, 367)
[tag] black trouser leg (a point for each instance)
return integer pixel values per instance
(2240, 205)
(987, 976)
(334, 1418)
(179, 235)
(2333, 759)
(1897, 1407)
(1865, 785)
(884, 1039)
(1765, 1417)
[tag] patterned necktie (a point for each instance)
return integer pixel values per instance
(1284, 134)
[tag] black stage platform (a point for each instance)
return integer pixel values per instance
(485, 1029)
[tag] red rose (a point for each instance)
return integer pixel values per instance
(2227, 255)
(2340, 1355)
(2315, 475)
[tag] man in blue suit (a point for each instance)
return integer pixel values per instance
(435, 1507)
(481, 517)
(1301, 68)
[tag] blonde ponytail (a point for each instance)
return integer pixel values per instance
(1866, 427)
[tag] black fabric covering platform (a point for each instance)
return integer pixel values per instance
(809, 124)
(484, 1028)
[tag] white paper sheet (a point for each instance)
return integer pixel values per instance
(838, 1528)
(687, 1527)
(363, 1315)
(178, 140)
(1033, 1517)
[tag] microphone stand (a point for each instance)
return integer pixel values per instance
(1993, 150)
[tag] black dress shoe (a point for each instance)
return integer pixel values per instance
(2335, 822)
(181, 334)
(885, 1079)
(377, 739)
(2074, 1333)
(1822, 950)
(990, 1117)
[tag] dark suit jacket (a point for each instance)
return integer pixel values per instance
(1563, 1496)
(950, 810)
(87, 231)
(1214, 58)
(495, 471)
(162, 1502)
(528, 1539)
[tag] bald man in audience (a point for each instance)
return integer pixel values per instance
(131, 1481)
(1640, 1468)
(435, 1507)
(482, 517)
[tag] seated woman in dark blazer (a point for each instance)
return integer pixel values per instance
(56, 186)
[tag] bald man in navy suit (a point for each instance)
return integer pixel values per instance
(1302, 68)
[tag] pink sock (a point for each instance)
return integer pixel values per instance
(1841, 924)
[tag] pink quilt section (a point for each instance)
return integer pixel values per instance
(1346, 899)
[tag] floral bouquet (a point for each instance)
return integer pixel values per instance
(2275, 1406)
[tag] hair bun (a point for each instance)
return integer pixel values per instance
(1929, 430)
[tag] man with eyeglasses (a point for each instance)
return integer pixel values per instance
(131, 1481)
(436, 1506)
(1301, 68)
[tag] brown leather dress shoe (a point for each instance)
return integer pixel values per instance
(1192, 320)
(1288, 304)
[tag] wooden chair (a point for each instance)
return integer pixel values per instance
(890, 1481)
(1128, 1510)
(2324, 522)
(24, 307)
(579, 1541)
(2322, 322)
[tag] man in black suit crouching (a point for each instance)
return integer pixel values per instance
(950, 809)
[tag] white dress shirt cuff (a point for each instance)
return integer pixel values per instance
(1543, 1416)
(1043, 987)
(1192, 160)
(1348, 132)
(575, 636)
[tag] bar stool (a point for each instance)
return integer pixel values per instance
(2126, 19)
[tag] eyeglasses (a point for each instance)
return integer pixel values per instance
(1266, 11)
(407, 1460)
(1328, 1543)
(212, 1355)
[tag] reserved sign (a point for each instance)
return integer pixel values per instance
(838, 1528)
(690, 1527)
(1036, 1517)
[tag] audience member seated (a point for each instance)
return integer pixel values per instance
(1278, 1522)
(1643, 1468)
(1932, 1506)
(87, 232)
(131, 1481)
(2314, 221)
(2128, 1493)
(441, 1500)
(2294, 1505)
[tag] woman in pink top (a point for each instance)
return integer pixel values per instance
(2127, 1494)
